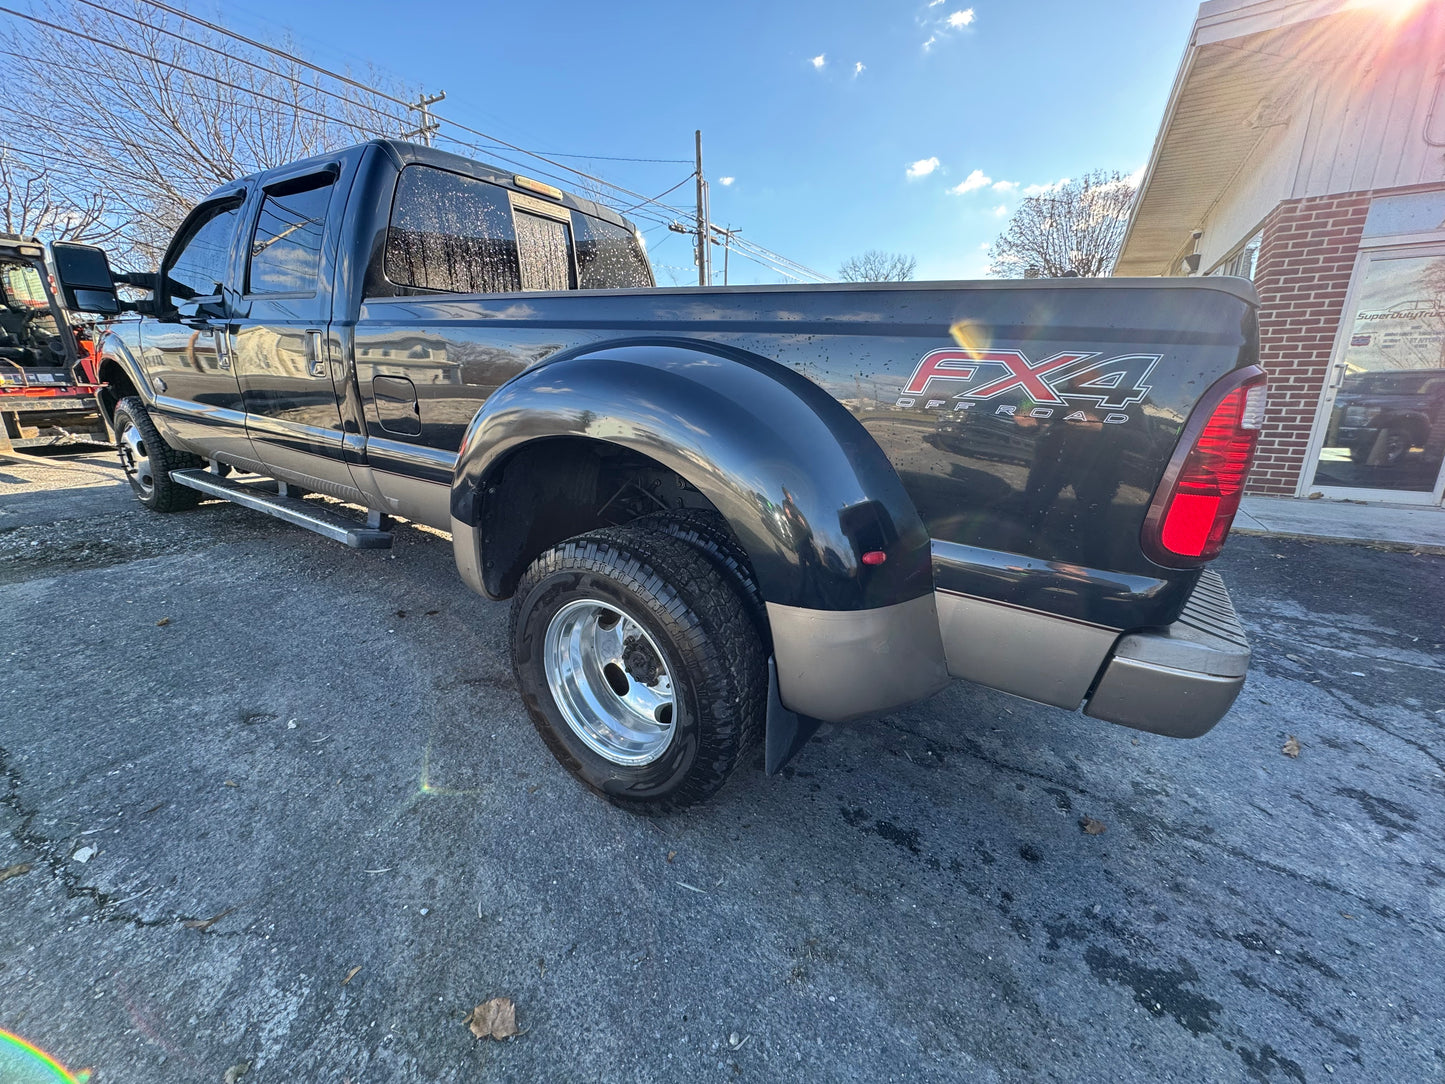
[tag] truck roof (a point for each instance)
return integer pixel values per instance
(405, 154)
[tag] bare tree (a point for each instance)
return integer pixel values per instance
(36, 199)
(875, 266)
(155, 112)
(1074, 227)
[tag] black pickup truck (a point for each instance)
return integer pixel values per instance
(721, 515)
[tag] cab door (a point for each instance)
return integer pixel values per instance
(280, 337)
(185, 348)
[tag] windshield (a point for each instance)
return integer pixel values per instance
(29, 333)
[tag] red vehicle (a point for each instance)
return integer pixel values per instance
(47, 368)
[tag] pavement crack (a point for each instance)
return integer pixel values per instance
(53, 856)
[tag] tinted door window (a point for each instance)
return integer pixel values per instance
(286, 247)
(545, 248)
(199, 266)
(608, 256)
(452, 233)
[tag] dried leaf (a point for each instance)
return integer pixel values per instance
(236, 1072)
(1291, 747)
(432, 613)
(494, 1019)
(163, 622)
(230, 783)
(1092, 827)
(351, 974)
(16, 870)
(204, 924)
(671, 855)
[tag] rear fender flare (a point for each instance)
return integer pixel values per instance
(803, 485)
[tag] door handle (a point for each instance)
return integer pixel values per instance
(315, 354)
(223, 349)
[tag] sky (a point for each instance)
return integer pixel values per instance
(910, 126)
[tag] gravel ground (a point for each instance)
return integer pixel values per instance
(282, 760)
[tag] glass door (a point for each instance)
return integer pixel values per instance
(1381, 431)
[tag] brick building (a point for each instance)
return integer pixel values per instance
(1303, 146)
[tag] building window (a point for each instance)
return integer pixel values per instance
(1243, 262)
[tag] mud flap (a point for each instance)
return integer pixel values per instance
(786, 731)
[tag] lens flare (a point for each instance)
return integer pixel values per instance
(970, 336)
(25, 1063)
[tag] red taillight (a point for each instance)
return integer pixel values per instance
(1195, 505)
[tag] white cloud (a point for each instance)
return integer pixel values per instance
(927, 45)
(1000, 210)
(726, 181)
(1005, 186)
(820, 60)
(960, 19)
(1136, 178)
(971, 183)
(922, 168)
(1045, 189)
(984, 246)
(934, 3)
(858, 69)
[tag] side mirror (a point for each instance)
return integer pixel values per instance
(86, 284)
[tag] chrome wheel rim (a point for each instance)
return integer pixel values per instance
(135, 459)
(610, 682)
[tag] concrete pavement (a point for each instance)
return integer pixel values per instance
(318, 763)
(1410, 526)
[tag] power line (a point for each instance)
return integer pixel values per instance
(659, 196)
(249, 63)
(225, 31)
(429, 119)
(297, 106)
(616, 158)
(759, 254)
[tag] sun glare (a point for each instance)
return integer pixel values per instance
(1394, 10)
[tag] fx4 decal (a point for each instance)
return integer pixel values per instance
(1065, 379)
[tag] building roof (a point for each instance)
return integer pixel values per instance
(1249, 65)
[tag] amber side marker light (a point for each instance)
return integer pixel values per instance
(540, 187)
(1195, 504)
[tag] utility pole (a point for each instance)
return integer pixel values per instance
(704, 255)
(428, 125)
(727, 246)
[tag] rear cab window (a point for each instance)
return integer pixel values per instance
(457, 234)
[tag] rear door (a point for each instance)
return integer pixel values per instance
(281, 331)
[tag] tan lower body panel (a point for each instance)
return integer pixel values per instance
(1035, 655)
(838, 665)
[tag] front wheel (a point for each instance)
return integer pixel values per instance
(639, 665)
(148, 460)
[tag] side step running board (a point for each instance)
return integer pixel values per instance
(292, 509)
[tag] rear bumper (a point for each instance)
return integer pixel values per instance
(1178, 680)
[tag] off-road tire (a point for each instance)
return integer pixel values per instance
(707, 531)
(163, 494)
(698, 618)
